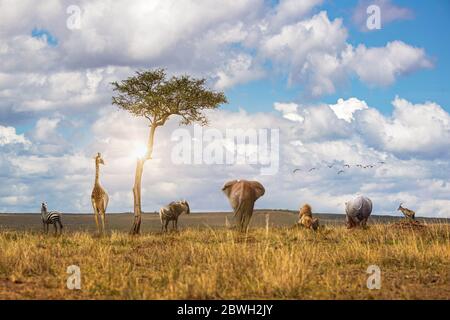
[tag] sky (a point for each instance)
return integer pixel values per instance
(313, 74)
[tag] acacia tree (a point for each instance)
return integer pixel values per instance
(152, 95)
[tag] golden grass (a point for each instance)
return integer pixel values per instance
(221, 264)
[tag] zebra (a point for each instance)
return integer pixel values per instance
(52, 217)
(171, 212)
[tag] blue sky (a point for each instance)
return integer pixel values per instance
(337, 93)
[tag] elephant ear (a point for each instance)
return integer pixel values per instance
(227, 187)
(259, 189)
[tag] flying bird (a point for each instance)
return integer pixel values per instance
(340, 171)
(295, 170)
(346, 166)
(312, 169)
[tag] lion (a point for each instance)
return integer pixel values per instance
(305, 218)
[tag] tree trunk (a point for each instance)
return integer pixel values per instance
(138, 180)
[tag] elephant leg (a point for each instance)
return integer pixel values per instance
(247, 222)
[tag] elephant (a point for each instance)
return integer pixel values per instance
(242, 195)
(358, 211)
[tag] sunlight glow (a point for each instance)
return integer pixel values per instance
(140, 151)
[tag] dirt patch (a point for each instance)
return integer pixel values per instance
(409, 224)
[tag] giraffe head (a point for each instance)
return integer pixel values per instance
(98, 159)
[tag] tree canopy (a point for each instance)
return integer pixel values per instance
(152, 95)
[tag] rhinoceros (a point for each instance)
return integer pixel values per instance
(358, 211)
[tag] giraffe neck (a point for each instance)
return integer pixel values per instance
(97, 174)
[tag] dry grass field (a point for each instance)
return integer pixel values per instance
(208, 261)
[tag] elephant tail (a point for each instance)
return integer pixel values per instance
(243, 213)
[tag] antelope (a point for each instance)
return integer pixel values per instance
(407, 212)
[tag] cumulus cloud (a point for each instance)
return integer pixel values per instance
(316, 53)
(383, 65)
(289, 11)
(241, 69)
(418, 130)
(344, 109)
(230, 46)
(8, 135)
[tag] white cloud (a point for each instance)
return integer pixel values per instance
(383, 65)
(295, 42)
(46, 128)
(289, 111)
(289, 11)
(344, 109)
(413, 130)
(241, 69)
(230, 46)
(309, 51)
(315, 52)
(8, 135)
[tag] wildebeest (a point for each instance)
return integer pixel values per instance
(171, 212)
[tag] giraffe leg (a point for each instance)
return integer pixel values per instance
(105, 205)
(102, 216)
(94, 206)
(96, 222)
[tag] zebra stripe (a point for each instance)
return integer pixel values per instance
(51, 217)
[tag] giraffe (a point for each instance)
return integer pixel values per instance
(99, 197)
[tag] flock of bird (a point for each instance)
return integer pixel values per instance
(341, 167)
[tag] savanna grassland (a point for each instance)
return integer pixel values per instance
(202, 262)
